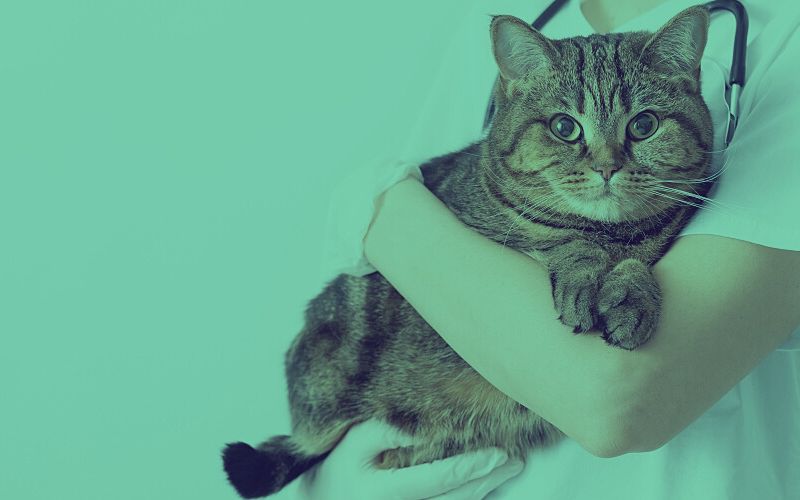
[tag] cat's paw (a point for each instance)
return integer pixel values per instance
(628, 303)
(395, 458)
(576, 282)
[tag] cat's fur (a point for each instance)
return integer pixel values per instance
(365, 352)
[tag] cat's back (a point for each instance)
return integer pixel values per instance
(352, 318)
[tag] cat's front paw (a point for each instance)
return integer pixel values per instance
(629, 303)
(576, 281)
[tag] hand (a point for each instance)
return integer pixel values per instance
(348, 473)
(629, 303)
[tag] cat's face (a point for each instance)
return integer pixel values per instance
(606, 126)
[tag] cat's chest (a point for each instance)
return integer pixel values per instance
(538, 238)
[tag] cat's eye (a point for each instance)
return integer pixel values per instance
(642, 126)
(565, 128)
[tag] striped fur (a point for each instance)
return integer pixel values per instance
(364, 351)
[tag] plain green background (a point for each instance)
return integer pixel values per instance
(165, 168)
(164, 176)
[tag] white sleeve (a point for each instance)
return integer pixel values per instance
(757, 197)
(449, 119)
(350, 210)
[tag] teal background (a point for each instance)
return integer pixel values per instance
(165, 168)
(164, 175)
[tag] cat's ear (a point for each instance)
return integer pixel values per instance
(678, 46)
(519, 49)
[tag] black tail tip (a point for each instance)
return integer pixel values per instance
(250, 471)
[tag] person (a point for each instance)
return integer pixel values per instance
(710, 406)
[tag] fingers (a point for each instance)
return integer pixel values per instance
(478, 488)
(469, 476)
(442, 476)
(372, 436)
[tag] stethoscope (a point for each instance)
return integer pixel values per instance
(735, 84)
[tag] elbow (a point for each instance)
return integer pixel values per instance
(609, 440)
(624, 422)
(615, 440)
(605, 448)
(617, 443)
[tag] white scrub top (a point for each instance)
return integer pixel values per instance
(747, 446)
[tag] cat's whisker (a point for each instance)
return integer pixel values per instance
(513, 223)
(647, 204)
(504, 183)
(709, 178)
(692, 195)
(691, 180)
(642, 202)
(527, 208)
(680, 201)
(703, 180)
(710, 201)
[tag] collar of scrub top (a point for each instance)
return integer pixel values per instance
(736, 79)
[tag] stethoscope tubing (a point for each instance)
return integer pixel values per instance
(736, 79)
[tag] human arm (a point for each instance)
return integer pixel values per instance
(494, 308)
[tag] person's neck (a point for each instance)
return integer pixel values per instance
(606, 15)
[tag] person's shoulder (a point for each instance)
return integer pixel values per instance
(770, 97)
(756, 196)
(772, 63)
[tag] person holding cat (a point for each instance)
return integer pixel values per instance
(713, 397)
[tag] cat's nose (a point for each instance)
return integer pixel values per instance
(606, 170)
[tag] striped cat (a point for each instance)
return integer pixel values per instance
(595, 142)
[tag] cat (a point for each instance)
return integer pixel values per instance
(572, 115)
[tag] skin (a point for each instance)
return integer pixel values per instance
(712, 332)
(712, 329)
(606, 15)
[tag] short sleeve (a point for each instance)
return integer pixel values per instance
(449, 118)
(350, 211)
(757, 195)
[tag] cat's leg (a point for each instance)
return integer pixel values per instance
(629, 304)
(576, 270)
(422, 453)
(396, 458)
(515, 432)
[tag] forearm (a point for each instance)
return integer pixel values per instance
(494, 308)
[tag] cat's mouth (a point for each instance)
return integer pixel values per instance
(603, 203)
(604, 191)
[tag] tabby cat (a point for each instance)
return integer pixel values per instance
(595, 144)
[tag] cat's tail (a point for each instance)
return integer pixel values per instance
(265, 469)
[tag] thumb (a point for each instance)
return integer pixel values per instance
(372, 436)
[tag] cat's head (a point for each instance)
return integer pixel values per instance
(600, 126)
